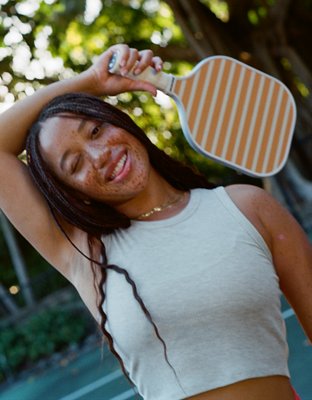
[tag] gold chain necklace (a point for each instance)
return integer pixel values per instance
(162, 207)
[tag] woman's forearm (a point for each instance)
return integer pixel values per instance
(15, 122)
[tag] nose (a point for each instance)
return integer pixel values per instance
(98, 156)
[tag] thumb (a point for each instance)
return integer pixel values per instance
(145, 86)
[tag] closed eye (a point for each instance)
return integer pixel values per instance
(74, 166)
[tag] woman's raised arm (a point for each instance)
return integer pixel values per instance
(15, 122)
(20, 200)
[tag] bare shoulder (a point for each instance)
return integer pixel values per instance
(251, 200)
(260, 205)
(248, 195)
(290, 247)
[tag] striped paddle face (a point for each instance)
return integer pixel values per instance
(236, 115)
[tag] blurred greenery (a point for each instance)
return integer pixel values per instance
(45, 40)
(50, 331)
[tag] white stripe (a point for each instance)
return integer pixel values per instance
(272, 131)
(202, 100)
(223, 108)
(283, 130)
(233, 112)
(190, 101)
(288, 313)
(125, 395)
(213, 104)
(263, 125)
(243, 117)
(92, 386)
(253, 121)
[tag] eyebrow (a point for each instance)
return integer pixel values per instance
(82, 124)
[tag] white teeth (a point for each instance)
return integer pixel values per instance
(119, 166)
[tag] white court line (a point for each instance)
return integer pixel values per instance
(125, 395)
(93, 386)
(288, 313)
(114, 375)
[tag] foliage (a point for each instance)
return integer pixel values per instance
(44, 40)
(43, 279)
(47, 40)
(271, 35)
(42, 335)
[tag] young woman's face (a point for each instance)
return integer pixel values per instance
(100, 160)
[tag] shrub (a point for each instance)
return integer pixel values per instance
(43, 334)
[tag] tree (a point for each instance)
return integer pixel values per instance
(18, 263)
(272, 35)
(43, 40)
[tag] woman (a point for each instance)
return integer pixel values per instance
(184, 279)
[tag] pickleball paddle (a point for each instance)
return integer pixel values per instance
(230, 112)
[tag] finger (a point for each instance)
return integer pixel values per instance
(143, 85)
(157, 62)
(123, 52)
(133, 57)
(145, 60)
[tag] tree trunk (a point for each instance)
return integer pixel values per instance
(265, 45)
(17, 260)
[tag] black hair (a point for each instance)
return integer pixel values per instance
(98, 219)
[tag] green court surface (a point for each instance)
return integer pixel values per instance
(90, 376)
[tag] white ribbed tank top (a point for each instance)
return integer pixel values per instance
(207, 278)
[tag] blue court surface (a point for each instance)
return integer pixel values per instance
(94, 376)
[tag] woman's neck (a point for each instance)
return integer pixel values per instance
(158, 200)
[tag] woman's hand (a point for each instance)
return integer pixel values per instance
(96, 80)
(102, 82)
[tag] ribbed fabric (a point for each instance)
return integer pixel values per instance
(207, 278)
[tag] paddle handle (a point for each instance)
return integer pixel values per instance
(160, 79)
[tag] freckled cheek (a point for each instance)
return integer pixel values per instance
(86, 181)
(141, 168)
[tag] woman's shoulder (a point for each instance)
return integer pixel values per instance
(252, 201)
(249, 196)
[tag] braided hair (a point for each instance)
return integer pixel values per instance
(99, 219)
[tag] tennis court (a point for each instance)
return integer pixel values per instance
(91, 376)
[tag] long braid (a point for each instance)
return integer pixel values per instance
(100, 219)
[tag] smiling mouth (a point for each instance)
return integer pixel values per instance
(119, 167)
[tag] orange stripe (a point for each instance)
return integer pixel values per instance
(203, 117)
(286, 137)
(278, 132)
(177, 86)
(193, 112)
(246, 133)
(266, 136)
(187, 91)
(217, 109)
(227, 115)
(240, 107)
(256, 132)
